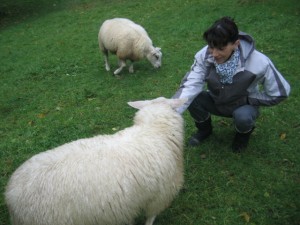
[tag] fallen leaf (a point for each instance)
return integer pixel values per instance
(41, 115)
(203, 156)
(246, 216)
(224, 123)
(266, 194)
(282, 136)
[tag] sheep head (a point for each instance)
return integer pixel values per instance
(160, 113)
(154, 57)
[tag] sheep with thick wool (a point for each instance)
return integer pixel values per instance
(106, 179)
(129, 41)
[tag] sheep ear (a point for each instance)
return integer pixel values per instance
(138, 104)
(141, 104)
(174, 103)
(158, 49)
(178, 102)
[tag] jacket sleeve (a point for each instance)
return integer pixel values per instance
(193, 82)
(274, 87)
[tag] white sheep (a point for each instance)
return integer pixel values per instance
(129, 41)
(106, 179)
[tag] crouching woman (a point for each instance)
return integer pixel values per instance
(239, 79)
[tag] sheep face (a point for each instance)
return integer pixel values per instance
(155, 57)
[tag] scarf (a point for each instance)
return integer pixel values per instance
(226, 70)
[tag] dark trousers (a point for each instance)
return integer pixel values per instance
(243, 117)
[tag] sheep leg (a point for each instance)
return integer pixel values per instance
(122, 64)
(107, 67)
(131, 67)
(150, 220)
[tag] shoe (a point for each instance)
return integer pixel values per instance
(198, 137)
(204, 131)
(240, 141)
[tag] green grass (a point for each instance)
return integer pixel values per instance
(54, 89)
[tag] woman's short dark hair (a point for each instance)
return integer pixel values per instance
(222, 32)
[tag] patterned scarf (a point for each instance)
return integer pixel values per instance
(226, 70)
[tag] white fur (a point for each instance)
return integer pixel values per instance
(107, 179)
(129, 41)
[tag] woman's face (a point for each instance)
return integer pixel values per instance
(221, 55)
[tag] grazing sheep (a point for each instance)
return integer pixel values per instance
(129, 41)
(106, 179)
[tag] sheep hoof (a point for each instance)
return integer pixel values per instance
(117, 71)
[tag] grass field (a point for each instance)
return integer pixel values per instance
(54, 89)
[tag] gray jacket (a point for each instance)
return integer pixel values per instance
(256, 82)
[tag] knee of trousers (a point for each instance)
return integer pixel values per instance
(198, 113)
(243, 123)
